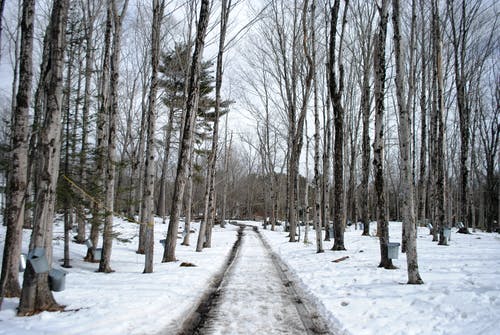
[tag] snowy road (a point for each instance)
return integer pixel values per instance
(253, 298)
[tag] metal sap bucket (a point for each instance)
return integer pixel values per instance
(38, 260)
(393, 250)
(97, 253)
(447, 233)
(89, 243)
(57, 280)
(22, 262)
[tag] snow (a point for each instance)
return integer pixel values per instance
(461, 294)
(125, 301)
(253, 298)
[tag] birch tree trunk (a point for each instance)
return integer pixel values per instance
(101, 136)
(422, 189)
(410, 236)
(162, 196)
(364, 27)
(186, 142)
(147, 216)
(107, 234)
(438, 152)
(306, 194)
(318, 189)
(36, 295)
(2, 6)
(18, 162)
(212, 157)
(378, 144)
(335, 88)
(297, 126)
(89, 14)
(188, 207)
(227, 150)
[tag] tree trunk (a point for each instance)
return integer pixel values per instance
(18, 162)
(162, 196)
(378, 145)
(306, 194)
(335, 88)
(107, 234)
(36, 295)
(365, 141)
(189, 202)
(89, 19)
(318, 189)
(438, 152)
(422, 189)
(2, 6)
(212, 157)
(410, 236)
(186, 142)
(147, 217)
(227, 150)
(101, 136)
(66, 187)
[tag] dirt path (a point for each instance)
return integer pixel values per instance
(254, 296)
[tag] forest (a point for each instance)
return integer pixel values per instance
(322, 113)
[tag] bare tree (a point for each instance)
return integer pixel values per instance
(439, 126)
(18, 162)
(423, 102)
(36, 295)
(101, 136)
(147, 213)
(227, 150)
(317, 178)
(364, 15)
(296, 122)
(405, 136)
(379, 64)
(209, 212)
(107, 234)
(188, 126)
(336, 87)
(90, 10)
(490, 138)
(2, 6)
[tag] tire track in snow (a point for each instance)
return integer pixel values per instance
(254, 295)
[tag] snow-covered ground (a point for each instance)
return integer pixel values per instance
(461, 294)
(125, 301)
(254, 299)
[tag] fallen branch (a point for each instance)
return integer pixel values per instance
(340, 259)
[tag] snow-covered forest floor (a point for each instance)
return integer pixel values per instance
(461, 294)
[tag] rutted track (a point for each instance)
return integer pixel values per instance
(254, 294)
(311, 319)
(197, 318)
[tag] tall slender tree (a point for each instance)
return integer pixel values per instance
(18, 162)
(36, 295)
(212, 158)
(111, 159)
(187, 134)
(147, 213)
(101, 136)
(2, 6)
(379, 64)
(405, 136)
(335, 88)
(439, 124)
